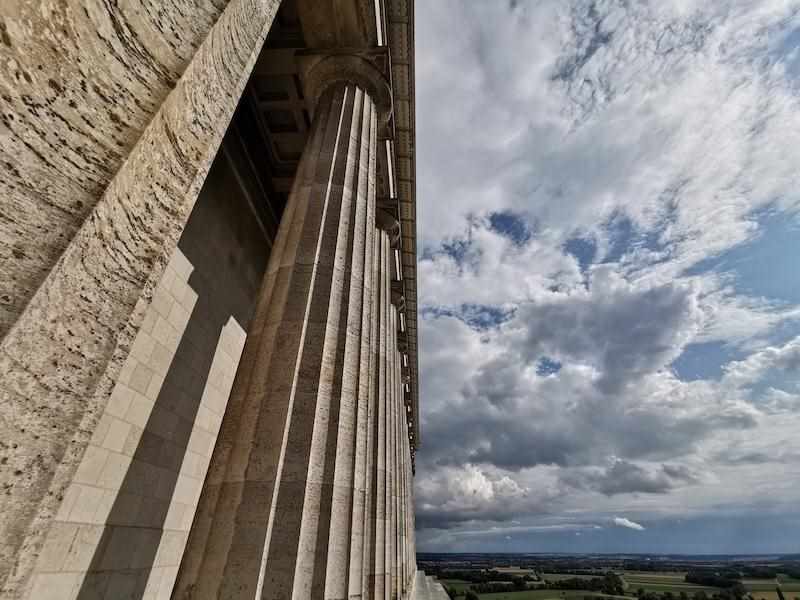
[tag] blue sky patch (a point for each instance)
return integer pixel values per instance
(625, 237)
(705, 360)
(767, 266)
(457, 249)
(511, 225)
(583, 249)
(478, 316)
(547, 366)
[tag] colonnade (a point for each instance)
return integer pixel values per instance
(308, 493)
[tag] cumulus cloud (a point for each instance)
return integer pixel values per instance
(454, 495)
(627, 523)
(622, 329)
(580, 165)
(625, 477)
(784, 359)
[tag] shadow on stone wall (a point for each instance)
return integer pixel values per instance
(229, 254)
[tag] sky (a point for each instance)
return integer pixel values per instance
(609, 219)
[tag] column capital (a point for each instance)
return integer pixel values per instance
(398, 300)
(368, 69)
(386, 221)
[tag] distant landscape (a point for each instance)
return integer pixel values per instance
(614, 577)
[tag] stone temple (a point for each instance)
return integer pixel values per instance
(208, 317)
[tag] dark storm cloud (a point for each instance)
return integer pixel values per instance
(625, 477)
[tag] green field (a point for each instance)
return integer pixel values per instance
(548, 595)
(458, 584)
(514, 570)
(463, 586)
(789, 586)
(562, 576)
(761, 589)
(773, 595)
(662, 582)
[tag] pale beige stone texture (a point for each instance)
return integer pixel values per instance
(79, 83)
(263, 525)
(194, 467)
(85, 513)
(343, 441)
(370, 478)
(72, 539)
(365, 399)
(376, 581)
(427, 588)
(391, 395)
(60, 361)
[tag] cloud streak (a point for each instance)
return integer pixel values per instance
(627, 523)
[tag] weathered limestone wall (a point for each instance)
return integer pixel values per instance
(122, 527)
(79, 82)
(61, 359)
(115, 372)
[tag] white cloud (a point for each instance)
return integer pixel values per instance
(656, 132)
(784, 358)
(623, 522)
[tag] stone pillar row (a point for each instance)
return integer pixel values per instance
(62, 357)
(308, 492)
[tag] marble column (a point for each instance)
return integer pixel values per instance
(397, 479)
(378, 582)
(60, 360)
(395, 462)
(370, 475)
(391, 467)
(407, 506)
(276, 512)
(365, 405)
(345, 447)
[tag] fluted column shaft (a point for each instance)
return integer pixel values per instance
(365, 398)
(265, 526)
(371, 479)
(390, 465)
(376, 561)
(343, 451)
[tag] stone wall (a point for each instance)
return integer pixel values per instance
(61, 358)
(79, 84)
(122, 526)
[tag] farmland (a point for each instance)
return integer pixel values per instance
(662, 582)
(759, 589)
(549, 595)
(523, 577)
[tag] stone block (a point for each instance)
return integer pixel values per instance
(160, 358)
(84, 544)
(56, 546)
(92, 465)
(119, 402)
(55, 586)
(123, 585)
(117, 435)
(86, 506)
(114, 471)
(181, 265)
(140, 378)
(70, 497)
(142, 346)
(139, 410)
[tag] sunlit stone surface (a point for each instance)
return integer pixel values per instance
(208, 370)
